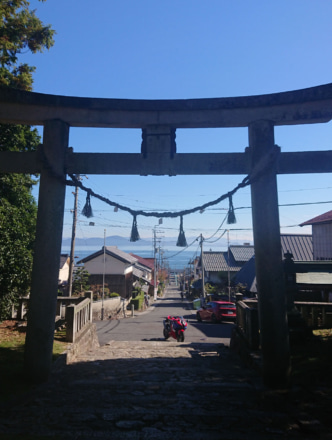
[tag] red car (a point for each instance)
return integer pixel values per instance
(217, 311)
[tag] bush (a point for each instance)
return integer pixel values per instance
(138, 301)
(8, 300)
(113, 295)
(137, 291)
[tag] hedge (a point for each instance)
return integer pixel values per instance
(138, 301)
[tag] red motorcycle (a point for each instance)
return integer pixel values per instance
(175, 326)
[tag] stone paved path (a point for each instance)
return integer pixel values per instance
(156, 390)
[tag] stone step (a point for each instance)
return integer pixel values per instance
(151, 390)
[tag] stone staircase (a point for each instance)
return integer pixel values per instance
(153, 390)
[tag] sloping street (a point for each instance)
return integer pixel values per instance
(148, 325)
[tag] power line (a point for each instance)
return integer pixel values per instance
(281, 205)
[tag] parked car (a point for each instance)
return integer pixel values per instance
(217, 311)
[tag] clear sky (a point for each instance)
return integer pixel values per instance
(153, 49)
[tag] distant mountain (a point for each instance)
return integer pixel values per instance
(112, 240)
(117, 240)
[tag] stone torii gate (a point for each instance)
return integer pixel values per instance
(159, 119)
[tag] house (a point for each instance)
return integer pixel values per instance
(221, 266)
(246, 277)
(321, 236)
(64, 270)
(144, 267)
(312, 275)
(115, 267)
(318, 278)
(144, 271)
(299, 245)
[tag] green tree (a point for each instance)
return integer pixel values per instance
(80, 281)
(20, 31)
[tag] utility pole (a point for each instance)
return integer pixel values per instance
(73, 237)
(202, 264)
(103, 295)
(155, 264)
(229, 275)
(155, 250)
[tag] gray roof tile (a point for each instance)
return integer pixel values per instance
(218, 262)
(113, 251)
(242, 253)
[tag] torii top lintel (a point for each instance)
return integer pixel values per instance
(311, 105)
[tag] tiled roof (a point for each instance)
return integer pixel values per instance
(142, 267)
(247, 275)
(299, 245)
(113, 251)
(218, 262)
(242, 253)
(138, 273)
(148, 262)
(224, 261)
(323, 218)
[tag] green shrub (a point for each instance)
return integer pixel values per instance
(114, 294)
(138, 300)
(137, 291)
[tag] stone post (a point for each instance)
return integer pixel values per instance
(269, 269)
(89, 294)
(45, 273)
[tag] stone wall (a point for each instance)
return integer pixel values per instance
(112, 308)
(87, 340)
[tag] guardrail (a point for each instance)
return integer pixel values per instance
(78, 317)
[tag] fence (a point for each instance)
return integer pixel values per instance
(316, 315)
(247, 322)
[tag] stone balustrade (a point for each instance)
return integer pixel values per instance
(78, 316)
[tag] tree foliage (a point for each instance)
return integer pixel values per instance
(20, 31)
(80, 281)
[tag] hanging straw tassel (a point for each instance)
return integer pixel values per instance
(134, 231)
(87, 210)
(182, 242)
(231, 219)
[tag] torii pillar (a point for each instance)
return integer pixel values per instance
(268, 259)
(45, 272)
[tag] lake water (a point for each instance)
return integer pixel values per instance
(174, 257)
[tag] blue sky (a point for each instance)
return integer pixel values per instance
(153, 49)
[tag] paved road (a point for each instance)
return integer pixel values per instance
(148, 325)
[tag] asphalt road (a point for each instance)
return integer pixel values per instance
(148, 325)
